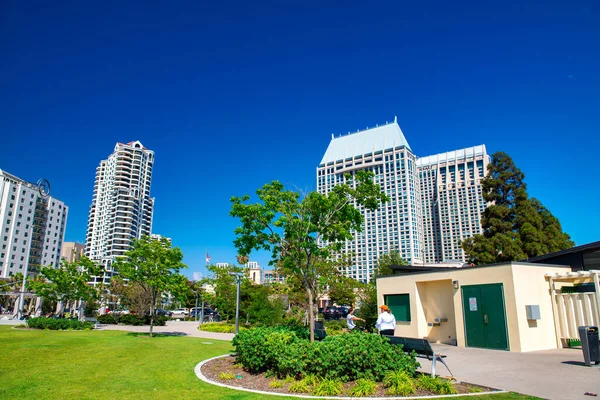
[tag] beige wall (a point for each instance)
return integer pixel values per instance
(432, 293)
(72, 251)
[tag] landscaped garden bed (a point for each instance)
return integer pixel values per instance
(354, 364)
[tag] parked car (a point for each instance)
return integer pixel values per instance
(331, 312)
(160, 311)
(321, 309)
(209, 313)
(180, 313)
(343, 311)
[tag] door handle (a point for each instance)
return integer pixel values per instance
(485, 318)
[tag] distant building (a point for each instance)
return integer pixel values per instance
(156, 236)
(72, 251)
(272, 276)
(254, 272)
(32, 227)
(121, 207)
(452, 200)
(222, 265)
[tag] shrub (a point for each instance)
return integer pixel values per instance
(220, 327)
(131, 319)
(107, 319)
(276, 383)
(328, 387)
(436, 385)
(299, 387)
(58, 324)
(399, 383)
(159, 320)
(364, 387)
(226, 376)
(259, 349)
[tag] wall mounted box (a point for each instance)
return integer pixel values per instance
(533, 312)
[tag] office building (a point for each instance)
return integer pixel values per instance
(121, 208)
(32, 227)
(72, 251)
(452, 200)
(272, 276)
(396, 225)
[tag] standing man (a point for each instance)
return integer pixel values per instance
(386, 323)
(350, 318)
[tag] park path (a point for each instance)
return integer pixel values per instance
(176, 328)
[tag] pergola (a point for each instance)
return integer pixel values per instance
(572, 310)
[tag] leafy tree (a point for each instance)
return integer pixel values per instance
(259, 305)
(131, 295)
(515, 226)
(386, 261)
(343, 290)
(69, 282)
(225, 289)
(300, 232)
(154, 265)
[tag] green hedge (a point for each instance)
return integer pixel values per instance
(345, 357)
(220, 327)
(56, 324)
(131, 319)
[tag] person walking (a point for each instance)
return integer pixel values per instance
(350, 318)
(386, 323)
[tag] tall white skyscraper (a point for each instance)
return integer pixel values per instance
(32, 227)
(121, 207)
(452, 199)
(396, 225)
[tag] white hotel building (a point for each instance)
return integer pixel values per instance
(396, 225)
(121, 207)
(32, 227)
(434, 202)
(452, 200)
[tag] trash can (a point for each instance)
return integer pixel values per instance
(590, 344)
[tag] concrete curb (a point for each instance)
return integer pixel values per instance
(198, 371)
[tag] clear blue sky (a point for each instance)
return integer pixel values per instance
(232, 95)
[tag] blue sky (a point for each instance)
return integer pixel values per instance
(231, 95)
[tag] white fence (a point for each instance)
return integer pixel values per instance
(574, 310)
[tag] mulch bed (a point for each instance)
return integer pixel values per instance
(214, 368)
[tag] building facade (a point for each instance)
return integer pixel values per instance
(32, 227)
(121, 208)
(72, 251)
(396, 225)
(272, 276)
(452, 200)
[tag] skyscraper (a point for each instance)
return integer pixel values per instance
(121, 207)
(396, 225)
(452, 199)
(32, 227)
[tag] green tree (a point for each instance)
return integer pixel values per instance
(386, 261)
(301, 231)
(154, 265)
(343, 290)
(69, 282)
(225, 289)
(515, 226)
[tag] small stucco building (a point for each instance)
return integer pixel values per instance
(500, 306)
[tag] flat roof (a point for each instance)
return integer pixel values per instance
(509, 263)
(584, 248)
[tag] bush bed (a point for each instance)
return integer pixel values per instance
(345, 357)
(131, 319)
(56, 324)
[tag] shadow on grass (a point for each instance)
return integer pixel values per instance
(156, 335)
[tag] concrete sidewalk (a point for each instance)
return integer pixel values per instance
(552, 374)
(176, 328)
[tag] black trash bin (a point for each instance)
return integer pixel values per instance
(590, 344)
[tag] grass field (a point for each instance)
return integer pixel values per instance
(113, 365)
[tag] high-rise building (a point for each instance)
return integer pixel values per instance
(396, 225)
(72, 251)
(121, 207)
(32, 227)
(452, 199)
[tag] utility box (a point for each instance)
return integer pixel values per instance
(590, 344)
(533, 312)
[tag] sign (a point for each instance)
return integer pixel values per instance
(473, 303)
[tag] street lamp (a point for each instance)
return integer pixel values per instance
(196, 309)
(238, 276)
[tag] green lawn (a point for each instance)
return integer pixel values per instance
(112, 365)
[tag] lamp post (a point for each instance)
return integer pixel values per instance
(196, 309)
(238, 276)
(202, 312)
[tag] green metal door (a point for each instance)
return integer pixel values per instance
(485, 316)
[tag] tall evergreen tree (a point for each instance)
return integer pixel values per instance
(515, 226)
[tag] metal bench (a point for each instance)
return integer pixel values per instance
(421, 347)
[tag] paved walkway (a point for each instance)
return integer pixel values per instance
(178, 328)
(552, 374)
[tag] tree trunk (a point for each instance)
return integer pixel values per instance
(311, 315)
(152, 306)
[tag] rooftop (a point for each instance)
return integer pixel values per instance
(469, 152)
(382, 137)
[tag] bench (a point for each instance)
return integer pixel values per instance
(94, 321)
(421, 347)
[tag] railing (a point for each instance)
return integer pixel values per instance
(574, 310)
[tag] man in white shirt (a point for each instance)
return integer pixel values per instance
(386, 323)
(350, 318)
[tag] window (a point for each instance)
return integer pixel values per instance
(399, 304)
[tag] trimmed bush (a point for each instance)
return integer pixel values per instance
(220, 327)
(131, 319)
(399, 383)
(56, 324)
(108, 319)
(436, 385)
(345, 357)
